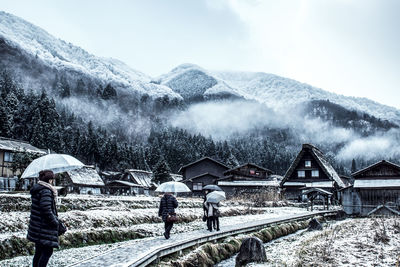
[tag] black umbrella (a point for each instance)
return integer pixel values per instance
(212, 187)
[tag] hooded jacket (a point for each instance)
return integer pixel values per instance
(43, 223)
(168, 204)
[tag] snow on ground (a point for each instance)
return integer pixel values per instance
(69, 256)
(114, 217)
(353, 242)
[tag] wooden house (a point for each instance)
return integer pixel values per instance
(248, 178)
(376, 190)
(310, 169)
(118, 187)
(8, 147)
(142, 178)
(202, 172)
(84, 180)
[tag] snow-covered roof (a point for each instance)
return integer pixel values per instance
(124, 183)
(85, 176)
(248, 183)
(321, 160)
(376, 183)
(323, 184)
(176, 177)
(370, 167)
(18, 146)
(141, 177)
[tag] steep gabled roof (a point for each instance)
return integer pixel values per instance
(199, 160)
(322, 162)
(382, 162)
(249, 164)
(19, 146)
(86, 176)
(141, 177)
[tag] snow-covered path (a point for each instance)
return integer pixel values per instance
(131, 254)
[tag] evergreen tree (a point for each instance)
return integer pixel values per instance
(5, 124)
(161, 172)
(7, 84)
(353, 166)
(109, 92)
(37, 138)
(80, 88)
(92, 150)
(63, 88)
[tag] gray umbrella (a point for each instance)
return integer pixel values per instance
(212, 187)
(216, 196)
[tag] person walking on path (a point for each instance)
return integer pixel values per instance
(168, 204)
(43, 227)
(205, 208)
(212, 216)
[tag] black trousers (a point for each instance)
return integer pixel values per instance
(216, 223)
(42, 255)
(168, 227)
(210, 222)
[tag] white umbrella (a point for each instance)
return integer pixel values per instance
(54, 162)
(215, 196)
(173, 187)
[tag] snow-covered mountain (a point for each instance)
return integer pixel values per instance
(192, 81)
(25, 46)
(276, 92)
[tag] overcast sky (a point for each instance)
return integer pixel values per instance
(350, 47)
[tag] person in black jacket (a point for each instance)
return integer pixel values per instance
(168, 204)
(43, 223)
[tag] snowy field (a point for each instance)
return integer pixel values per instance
(138, 214)
(352, 242)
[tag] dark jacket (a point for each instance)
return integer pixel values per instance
(168, 204)
(43, 223)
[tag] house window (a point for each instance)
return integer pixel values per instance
(197, 186)
(307, 163)
(8, 157)
(257, 173)
(252, 172)
(301, 174)
(315, 173)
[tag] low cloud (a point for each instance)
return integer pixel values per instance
(221, 120)
(377, 147)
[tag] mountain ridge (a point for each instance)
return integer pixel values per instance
(273, 90)
(60, 55)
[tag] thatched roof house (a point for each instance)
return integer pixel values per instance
(84, 180)
(310, 169)
(141, 177)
